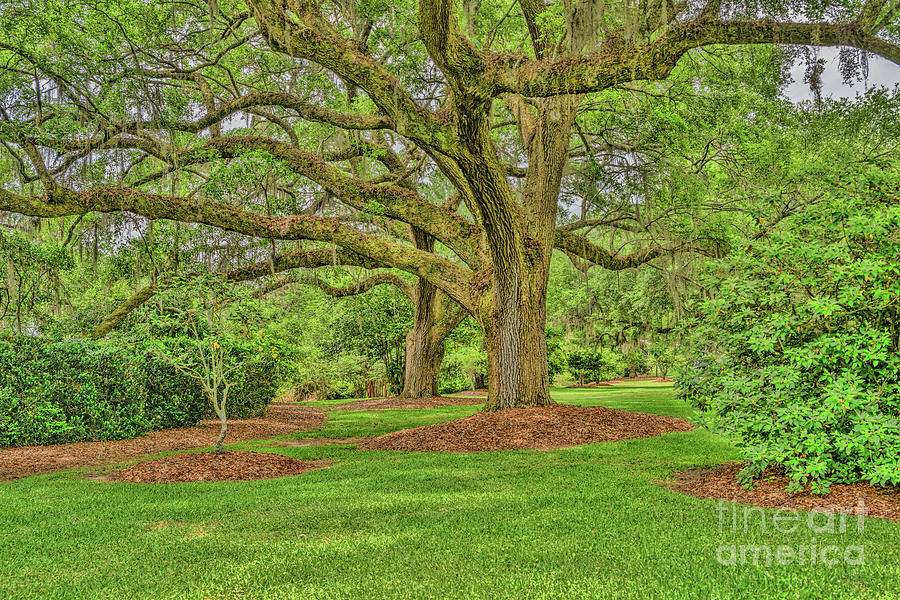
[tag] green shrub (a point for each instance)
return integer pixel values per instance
(56, 392)
(461, 369)
(796, 359)
(80, 390)
(595, 365)
(256, 386)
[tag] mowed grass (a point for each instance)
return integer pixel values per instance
(586, 522)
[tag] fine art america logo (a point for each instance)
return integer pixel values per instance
(752, 520)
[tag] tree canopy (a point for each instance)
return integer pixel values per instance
(435, 138)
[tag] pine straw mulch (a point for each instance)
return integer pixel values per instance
(542, 428)
(720, 483)
(33, 460)
(208, 466)
(395, 402)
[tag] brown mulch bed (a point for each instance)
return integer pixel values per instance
(543, 428)
(388, 403)
(720, 483)
(32, 460)
(207, 466)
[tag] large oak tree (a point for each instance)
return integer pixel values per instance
(431, 91)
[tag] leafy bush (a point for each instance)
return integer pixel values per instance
(595, 365)
(461, 369)
(797, 359)
(255, 387)
(59, 392)
(79, 390)
(341, 376)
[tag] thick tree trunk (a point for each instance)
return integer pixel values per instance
(423, 363)
(436, 315)
(516, 342)
(520, 231)
(423, 352)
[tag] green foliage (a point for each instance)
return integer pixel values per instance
(462, 369)
(57, 392)
(595, 365)
(660, 357)
(341, 376)
(54, 392)
(556, 354)
(32, 269)
(374, 325)
(796, 359)
(465, 362)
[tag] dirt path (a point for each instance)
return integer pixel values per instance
(33, 460)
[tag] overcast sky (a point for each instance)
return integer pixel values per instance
(881, 73)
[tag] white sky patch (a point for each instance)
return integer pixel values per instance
(882, 73)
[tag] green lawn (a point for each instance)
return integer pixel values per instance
(586, 522)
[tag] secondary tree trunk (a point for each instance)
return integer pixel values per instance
(219, 407)
(220, 441)
(423, 363)
(436, 315)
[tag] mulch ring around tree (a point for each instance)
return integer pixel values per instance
(720, 483)
(208, 466)
(33, 460)
(389, 403)
(542, 428)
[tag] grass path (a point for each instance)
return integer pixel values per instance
(585, 522)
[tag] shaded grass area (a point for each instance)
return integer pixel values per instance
(584, 522)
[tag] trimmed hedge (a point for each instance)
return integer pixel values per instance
(81, 390)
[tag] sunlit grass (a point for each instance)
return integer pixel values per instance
(585, 522)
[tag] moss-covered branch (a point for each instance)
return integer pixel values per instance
(446, 274)
(297, 28)
(616, 61)
(585, 249)
(363, 286)
(311, 258)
